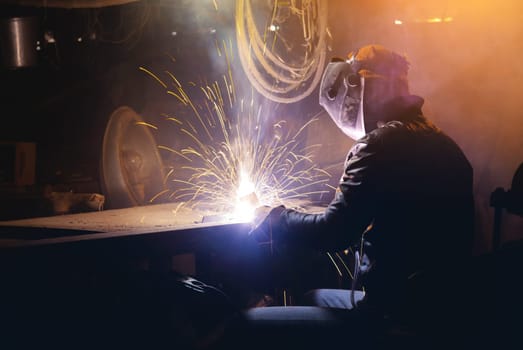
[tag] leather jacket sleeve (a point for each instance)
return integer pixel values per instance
(348, 214)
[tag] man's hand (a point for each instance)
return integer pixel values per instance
(260, 214)
(262, 226)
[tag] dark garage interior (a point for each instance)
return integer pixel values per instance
(112, 237)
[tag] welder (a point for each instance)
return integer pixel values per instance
(404, 203)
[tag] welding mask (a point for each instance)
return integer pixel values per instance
(341, 94)
(354, 91)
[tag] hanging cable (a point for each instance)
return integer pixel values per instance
(283, 79)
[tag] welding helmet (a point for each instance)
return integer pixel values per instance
(353, 91)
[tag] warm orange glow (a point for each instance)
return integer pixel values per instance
(426, 20)
(433, 20)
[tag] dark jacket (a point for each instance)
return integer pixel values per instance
(410, 185)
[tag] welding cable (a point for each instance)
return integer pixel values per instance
(266, 70)
(354, 280)
(358, 255)
(302, 73)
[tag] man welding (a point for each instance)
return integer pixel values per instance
(404, 202)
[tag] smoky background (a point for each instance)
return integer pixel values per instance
(466, 63)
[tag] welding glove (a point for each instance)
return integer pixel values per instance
(265, 217)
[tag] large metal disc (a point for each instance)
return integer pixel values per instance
(132, 171)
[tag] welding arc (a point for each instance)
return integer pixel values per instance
(267, 71)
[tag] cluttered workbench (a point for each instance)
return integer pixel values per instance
(182, 238)
(140, 220)
(176, 233)
(151, 218)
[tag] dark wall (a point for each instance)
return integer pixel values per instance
(87, 65)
